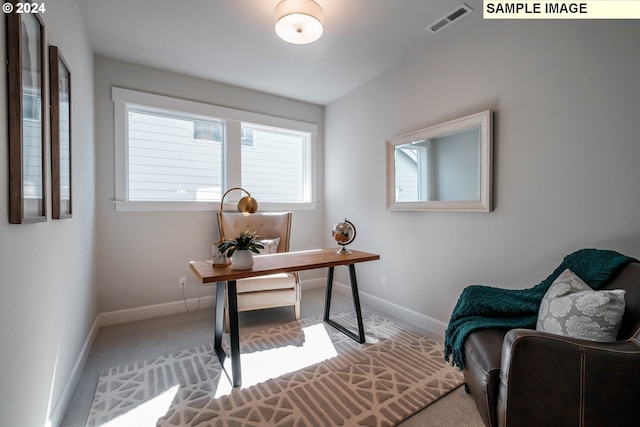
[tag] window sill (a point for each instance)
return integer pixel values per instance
(139, 206)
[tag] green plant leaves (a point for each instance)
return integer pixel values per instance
(247, 240)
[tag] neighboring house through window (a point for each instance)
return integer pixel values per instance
(173, 154)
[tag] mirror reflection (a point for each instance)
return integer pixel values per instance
(446, 168)
(442, 167)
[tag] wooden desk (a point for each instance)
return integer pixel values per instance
(270, 264)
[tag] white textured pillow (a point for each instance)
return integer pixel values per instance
(270, 246)
(572, 308)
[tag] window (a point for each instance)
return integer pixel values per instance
(173, 154)
(166, 164)
(273, 167)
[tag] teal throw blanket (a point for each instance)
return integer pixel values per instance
(484, 307)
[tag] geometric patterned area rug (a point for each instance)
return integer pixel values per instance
(303, 373)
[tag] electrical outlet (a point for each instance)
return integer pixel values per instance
(383, 281)
(182, 282)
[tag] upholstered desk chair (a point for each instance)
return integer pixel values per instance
(275, 290)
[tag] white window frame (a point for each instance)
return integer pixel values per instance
(125, 98)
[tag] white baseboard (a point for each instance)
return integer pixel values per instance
(421, 321)
(412, 317)
(114, 318)
(175, 307)
(150, 311)
(147, 312)
(61, 405)
(314, 283)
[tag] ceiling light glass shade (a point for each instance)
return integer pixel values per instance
(299, 21)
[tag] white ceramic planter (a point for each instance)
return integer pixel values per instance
(242, 260)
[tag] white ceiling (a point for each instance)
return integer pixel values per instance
(233, 41)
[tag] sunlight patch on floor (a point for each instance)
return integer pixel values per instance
(263, 365)
(257, 367)
(148, 413)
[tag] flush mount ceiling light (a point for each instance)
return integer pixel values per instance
(299, 21)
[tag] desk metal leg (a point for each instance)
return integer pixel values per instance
(327, 298)
(234, 333)
(356, 303)
(219, 320)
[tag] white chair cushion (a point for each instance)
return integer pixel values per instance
(267, 299)
(266, 283)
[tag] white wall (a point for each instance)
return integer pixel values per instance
(140, 255)
(565, 96)
(47, 297)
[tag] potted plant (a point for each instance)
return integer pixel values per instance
(241, 249)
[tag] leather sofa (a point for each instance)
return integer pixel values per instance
(523, 377)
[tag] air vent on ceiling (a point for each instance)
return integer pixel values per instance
(457, 13)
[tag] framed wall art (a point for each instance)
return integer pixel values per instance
(25, 89)
(60, 97)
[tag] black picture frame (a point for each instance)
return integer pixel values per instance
(26, 101)
(60, 98)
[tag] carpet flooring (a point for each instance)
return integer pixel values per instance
(395, 374)
(126, 343)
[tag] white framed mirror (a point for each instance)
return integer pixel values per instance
(445, 167)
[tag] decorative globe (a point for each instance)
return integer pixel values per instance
(344, 233)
